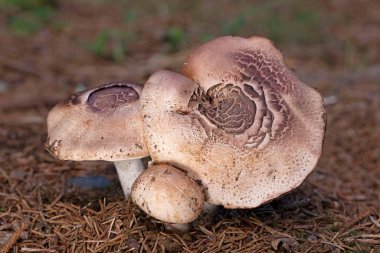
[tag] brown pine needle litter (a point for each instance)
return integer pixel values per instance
(40, 213)
(337, 209)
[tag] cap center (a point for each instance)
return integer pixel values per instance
(111, 98)
(227, 107)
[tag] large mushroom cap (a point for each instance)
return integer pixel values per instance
(241, 122)
(168, 194)
(98, 124)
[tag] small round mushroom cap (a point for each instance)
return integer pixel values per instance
(98, 124)
(168, 194)
(241, 122)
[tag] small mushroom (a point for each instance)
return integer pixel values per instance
(101, 124)
(240, 122)
(168, 194)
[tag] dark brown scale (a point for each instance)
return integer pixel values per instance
(228, 107)
(250, 91)
(265, 71)
(253, 64)
(111, 98)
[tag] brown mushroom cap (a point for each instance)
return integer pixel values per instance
(168, 194)
(243, 124)
(98, 124)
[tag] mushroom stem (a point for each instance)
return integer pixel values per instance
(208, 212)
(177, 228)
(128, 171)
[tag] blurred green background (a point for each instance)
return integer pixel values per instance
(65, 46)
(114, 29)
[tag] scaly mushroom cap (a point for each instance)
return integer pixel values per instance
(168, 194)
(98, 124)
(243, 124)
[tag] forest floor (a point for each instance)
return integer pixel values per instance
(50, 49)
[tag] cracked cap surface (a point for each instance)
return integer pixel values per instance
(103, 123)
(241, 122)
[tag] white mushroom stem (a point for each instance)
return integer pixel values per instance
(208, 212)
(128, 171)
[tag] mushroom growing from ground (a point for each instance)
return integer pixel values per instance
(238, 127)
(240, 122)
(103, 123)
(168, 194)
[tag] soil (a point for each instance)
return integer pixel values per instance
(337, 209)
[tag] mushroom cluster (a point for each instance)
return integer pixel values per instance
(236, 129)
